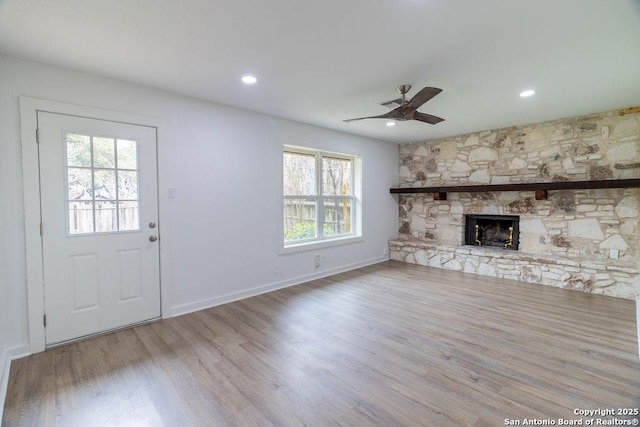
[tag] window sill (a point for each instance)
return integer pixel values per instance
(319, 244)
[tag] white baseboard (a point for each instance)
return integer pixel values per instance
(5, 363)
(236, 296)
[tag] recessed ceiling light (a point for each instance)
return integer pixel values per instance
(249, 80)
(390, 123)
(527, 93)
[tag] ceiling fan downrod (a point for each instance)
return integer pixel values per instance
(403, 90)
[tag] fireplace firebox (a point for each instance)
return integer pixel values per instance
(501, 231)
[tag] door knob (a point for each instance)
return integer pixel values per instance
(152, 225)
(153, 238)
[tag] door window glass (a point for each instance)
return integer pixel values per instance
(102, 184)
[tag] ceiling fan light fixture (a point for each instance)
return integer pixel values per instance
(248, 79)
(390, 123)
(527, 93)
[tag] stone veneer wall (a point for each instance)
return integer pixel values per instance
(565, 241)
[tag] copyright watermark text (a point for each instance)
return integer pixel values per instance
(584, 417)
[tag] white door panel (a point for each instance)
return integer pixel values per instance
(99, 210)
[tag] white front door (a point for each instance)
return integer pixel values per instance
(98, 183)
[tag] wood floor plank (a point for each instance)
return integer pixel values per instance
(389, 344)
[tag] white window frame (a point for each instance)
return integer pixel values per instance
(322, 241)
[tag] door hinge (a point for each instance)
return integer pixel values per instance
(40, 229)
(37, 136)
(44, 320)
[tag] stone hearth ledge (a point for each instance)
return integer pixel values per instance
(611, 278)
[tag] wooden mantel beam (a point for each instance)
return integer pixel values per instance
(525, 186)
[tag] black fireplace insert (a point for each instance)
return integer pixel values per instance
(501, 231)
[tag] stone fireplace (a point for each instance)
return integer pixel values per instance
(497, 231)
(584, 238)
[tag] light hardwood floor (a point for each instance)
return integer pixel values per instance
(390, 344)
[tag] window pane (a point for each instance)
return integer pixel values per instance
(80, 217)
(337, 216)
(79, 183)
(127, 185)
(105, 184)
(299, 172)
(102, 197)
(299, 219)
(104, 153)
(129, 216)
(336, 177)
(106, 219)
(127, 154)
(78, 150)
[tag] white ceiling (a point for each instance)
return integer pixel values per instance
(320, 62)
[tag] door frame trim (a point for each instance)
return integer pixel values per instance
(29, 108)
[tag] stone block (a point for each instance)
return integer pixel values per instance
(480, 176)
(629, 270)
(456, 208)
(628, 126)
(518, 163)
(586, 208)
(552, 152)
(421, 257)
(460, 166)
(396, 255)
(600, 172)
(404, 174)
(628, 207)
(532, 225)
(471, 141)
(585, 228)
(576, 171)
(615, 242)
(598, 214)
(593, 266)
(487, 270)
(422, 151)
(459, 174)
(453, 264)
(482, 154)
(622, 152)
(448, 150)
(418, 223)
(532, 244)
(471, 265)
(434, 262)
(605, 283)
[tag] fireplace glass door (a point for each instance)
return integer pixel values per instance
(498, 231)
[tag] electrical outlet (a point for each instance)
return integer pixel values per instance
(385, 251)
(613, 253)
(316, 261)
(276, 269)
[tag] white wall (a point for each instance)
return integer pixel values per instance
(3, 355)
(222, 230)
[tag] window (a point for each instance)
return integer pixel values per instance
(102, 184)
(318, 196)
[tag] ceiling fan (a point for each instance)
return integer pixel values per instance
(407, 109)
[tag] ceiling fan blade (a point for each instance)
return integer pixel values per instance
(427, 118)
(393, 114)
(393, 103)
(423, 96)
